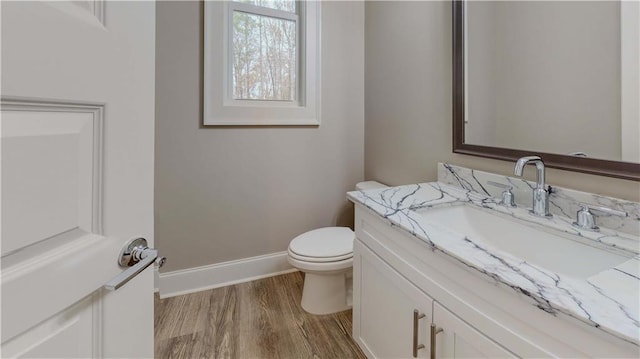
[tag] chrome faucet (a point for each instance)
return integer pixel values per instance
(540, 193)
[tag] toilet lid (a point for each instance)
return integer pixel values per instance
(329, 243)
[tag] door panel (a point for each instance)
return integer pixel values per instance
(36, 287)
(67, 334)
(50, 171)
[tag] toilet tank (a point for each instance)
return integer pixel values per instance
(361, 186)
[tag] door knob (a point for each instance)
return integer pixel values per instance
(136, 255)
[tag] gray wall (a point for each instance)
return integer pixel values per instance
(408, 101)
(229, 193)
(482, 72)
(408, 89)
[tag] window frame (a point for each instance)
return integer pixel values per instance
(219, 106)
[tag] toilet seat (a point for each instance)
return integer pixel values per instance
(320, 259)
(321, 267)
(323, 245)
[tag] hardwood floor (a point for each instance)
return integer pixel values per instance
(259, 319)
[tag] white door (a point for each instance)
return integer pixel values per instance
(77, 132)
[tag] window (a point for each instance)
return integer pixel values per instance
(261, 63)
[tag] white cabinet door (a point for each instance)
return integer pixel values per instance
(384, 313)
(77, 132)
(459, 340)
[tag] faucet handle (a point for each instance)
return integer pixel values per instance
(507, 196)
(586, 220)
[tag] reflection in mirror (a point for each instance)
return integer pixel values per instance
(554, 77)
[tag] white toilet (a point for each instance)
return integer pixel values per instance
(325, 255)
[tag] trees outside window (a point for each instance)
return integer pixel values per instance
(265, 55)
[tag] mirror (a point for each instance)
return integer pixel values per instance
(554, 78)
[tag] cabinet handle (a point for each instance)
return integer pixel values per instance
(434, 330)
(416, 317)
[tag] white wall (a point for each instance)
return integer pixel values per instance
(229, 193)
(408, 101)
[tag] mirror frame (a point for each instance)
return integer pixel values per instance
(617, 169)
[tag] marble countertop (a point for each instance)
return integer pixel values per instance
(608, 300)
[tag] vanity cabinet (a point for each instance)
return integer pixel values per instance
(395, 319)
(396, 273)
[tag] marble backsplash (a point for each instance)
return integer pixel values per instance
(562, 201)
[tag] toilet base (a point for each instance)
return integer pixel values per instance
(327, 293)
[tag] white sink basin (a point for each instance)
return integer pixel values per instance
(547, 248)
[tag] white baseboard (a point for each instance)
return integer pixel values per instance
(222, 274)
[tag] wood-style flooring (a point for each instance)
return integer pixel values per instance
(259, 319)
